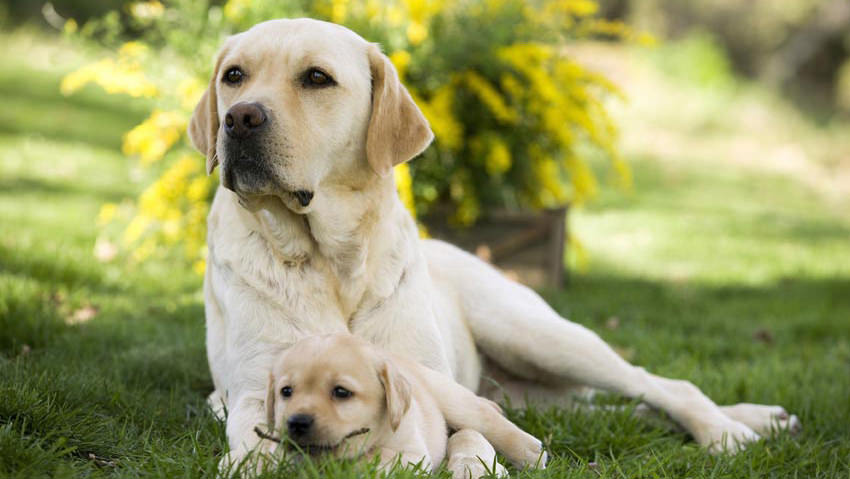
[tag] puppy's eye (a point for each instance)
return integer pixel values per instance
(286, 391)
(340, 392)
(233, 76)
(316, 78)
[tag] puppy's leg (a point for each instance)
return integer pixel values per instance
(471, 456)
(514, 327)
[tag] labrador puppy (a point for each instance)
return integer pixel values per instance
(307, 236)
(338, 395)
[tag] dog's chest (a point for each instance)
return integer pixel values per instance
(286, 297)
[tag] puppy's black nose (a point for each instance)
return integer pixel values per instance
(243, 119)
(304, 197)
(299, 424)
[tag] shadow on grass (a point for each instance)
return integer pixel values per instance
(35, 106)
(46, 187)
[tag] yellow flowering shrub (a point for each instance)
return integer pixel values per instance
(514, 117)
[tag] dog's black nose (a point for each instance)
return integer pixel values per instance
(299, 424)
(304, 197)
(243, 119)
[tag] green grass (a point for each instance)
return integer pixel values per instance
(732, 275)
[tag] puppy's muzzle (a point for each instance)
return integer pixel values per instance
(299, 425)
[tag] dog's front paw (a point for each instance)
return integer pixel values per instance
(727, 436)
(526, 451)
(472, 467)
(764, 420)
(246, 462)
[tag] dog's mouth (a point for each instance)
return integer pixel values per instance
(312, 449)
(298, 202)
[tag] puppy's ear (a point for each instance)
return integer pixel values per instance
(398, 130)
(396, 390)
(203, 127)
(271, 395)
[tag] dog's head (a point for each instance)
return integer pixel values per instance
(294, 105)
(335, 394)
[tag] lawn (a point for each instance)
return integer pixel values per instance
(734, 274)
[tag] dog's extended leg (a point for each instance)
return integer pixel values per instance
(464, 410)
(515, 328)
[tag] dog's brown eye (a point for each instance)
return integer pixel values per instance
(286, 391)
(340, 392)
(317, 78)
(233, 76)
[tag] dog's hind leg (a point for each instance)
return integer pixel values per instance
(515, 328)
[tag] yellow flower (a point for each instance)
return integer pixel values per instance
(199, 266)
(146, 10)
(190, 90)
(107, 213)
(132, 49)
(582, 179)
(234, 10)
(152, 138)
(440, 114)
(579, 8)
(401, 60)
(123, 76)
(70, 26)
(338, 10)
(135, 229)
(416, 32)
(404, 185)
(490, 97)
(498, 159)
(395, 15)
(199, 188)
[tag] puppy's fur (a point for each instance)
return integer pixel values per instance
(357, 400)
(308, 236)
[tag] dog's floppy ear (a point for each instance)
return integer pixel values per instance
(271, 395)
(203, 127)
(398, 130)
(396, 390)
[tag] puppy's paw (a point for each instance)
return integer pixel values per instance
(472, 467)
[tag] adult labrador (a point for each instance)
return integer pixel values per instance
(308, 236)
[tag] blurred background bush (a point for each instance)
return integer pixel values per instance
(516, 120)
(519, 122)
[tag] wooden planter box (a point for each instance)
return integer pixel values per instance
(528, 247)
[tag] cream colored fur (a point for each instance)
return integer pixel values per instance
(352, 260)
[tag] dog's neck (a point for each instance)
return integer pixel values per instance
(360, 234)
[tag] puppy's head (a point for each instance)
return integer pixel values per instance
(335, 394)
(296, 105)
